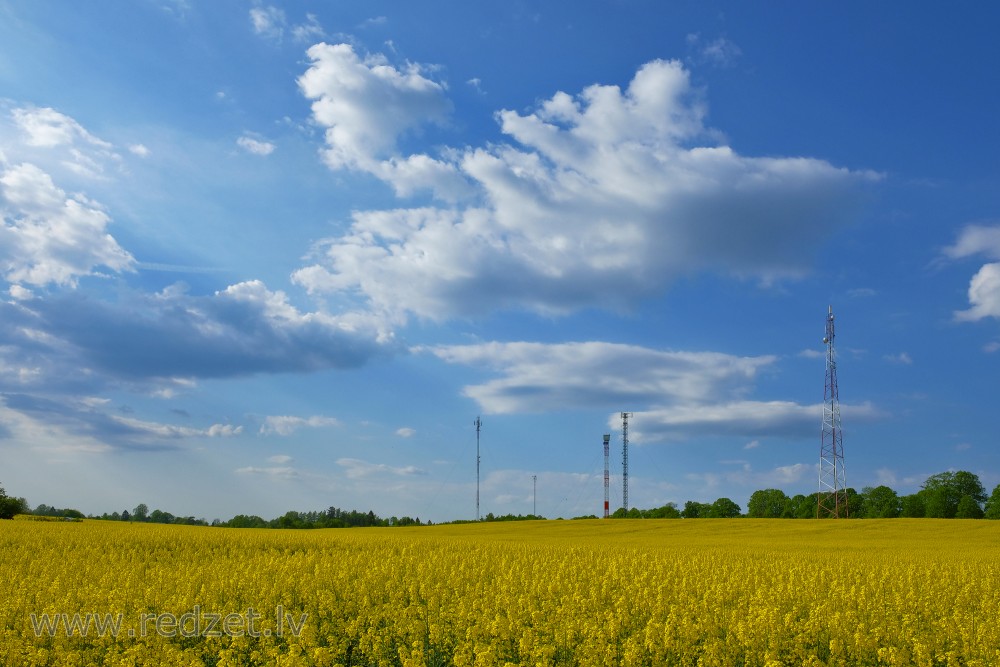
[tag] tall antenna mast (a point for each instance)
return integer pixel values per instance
(534, 495)
(625, 416)
(607, 476)
(831, 501)
(479, 423)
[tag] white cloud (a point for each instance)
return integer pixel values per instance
(976, 240)
(255, 146)
(984, 288)
(810, 354)
(902, 359)
(286, 425)
(365, 105)
(139, 149)
(268, 22)
(49, 128)
(19, 293)
(279, 458)
(753, 444)
(48, 237)
(742, 418)
(405, 432)
(721, 51)
(310, 30)
(284, 472)
(538, 377)
(747, 479)
(170, 431)
(53, 132)
(609, 193)
(358, 468)
(984, 295)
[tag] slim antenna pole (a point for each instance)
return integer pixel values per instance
(534, 495)
(607, 476)
(479, 424)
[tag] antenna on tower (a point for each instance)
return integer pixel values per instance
(479, 424)
(625, 416)
(831, 500)
(607, 476)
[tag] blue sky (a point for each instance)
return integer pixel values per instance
(263, 257)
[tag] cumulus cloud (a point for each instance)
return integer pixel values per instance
(405, 432)
(286, 425)
(607, 193)
(243, 329)
(48, 237)
(365, 104)
(89, 419)
(538, 376)
(984, 295)
(976, 240)
(51, 131)
(984, 287)
(673, 395)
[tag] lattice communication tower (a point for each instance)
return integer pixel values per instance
(831, 500)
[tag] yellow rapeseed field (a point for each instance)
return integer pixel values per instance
(681, 592)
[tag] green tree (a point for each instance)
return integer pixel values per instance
(805, 506)
(945, 490)
(695, 510)
(668, 511)
(993, 504)
(937, 505)
(767, 504)
(880, 503)
(11, 506)
(913, 506)
(723, 508)
(968, 508)
(140, 513)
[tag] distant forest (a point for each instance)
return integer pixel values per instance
(946, 495)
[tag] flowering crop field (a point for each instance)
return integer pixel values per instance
(632, 592)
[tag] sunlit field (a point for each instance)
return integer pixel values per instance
(682, 592)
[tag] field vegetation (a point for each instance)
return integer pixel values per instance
(590, 592)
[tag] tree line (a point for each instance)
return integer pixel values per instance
(331, 517)
(946, 495)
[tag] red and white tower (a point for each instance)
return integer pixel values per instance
(625, 416)
(831, 501)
